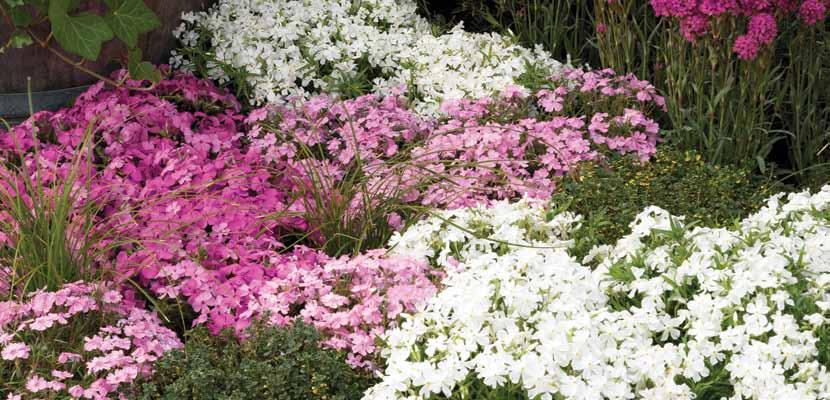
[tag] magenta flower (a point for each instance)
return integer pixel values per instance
(746, 47)
(812, 11)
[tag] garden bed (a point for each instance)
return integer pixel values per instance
(341, 200)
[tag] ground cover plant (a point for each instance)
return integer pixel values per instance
(669, 311)
(347, 48)
(276, 363)
(82, 340)
(610, 195)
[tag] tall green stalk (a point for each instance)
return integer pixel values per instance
(803, 102)
(719, 105)
(562, 27)
(626, 36)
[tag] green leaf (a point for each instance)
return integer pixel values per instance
(20, 16)
(142, 70)
(130, 18)
(83, 34)
(17, 40)
(20, 39)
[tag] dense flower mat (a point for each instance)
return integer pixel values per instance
(207, 206)
(281, 51)
(205, 194)
(672, 311)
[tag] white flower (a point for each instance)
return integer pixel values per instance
(704, 306)
(289, 50)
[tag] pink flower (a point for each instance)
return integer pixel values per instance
(746, 47)
(812, 11)
(76, 391)
(14, 351)
(63, 358)
(763, 28)
(36, 384)
(111, 297)
(61, 375)
(5, 338)
(395, 221)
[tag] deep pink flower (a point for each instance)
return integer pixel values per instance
(746, 47)
(37, 384)
(812, 11)
(763, 28)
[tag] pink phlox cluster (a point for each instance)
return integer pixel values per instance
(479, 150)
(490, 153)
(116, 355)
(350, 300)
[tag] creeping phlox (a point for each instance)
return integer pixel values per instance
(37, 350)
(350, 300)
(506, 146)
(450, 238)
(288, 50)
(670, 311)
(201, 215)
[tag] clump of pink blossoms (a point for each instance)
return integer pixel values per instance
(205, 212)
(696, 16)
(503, 147)
(38, 350)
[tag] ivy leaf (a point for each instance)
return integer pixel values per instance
(20, 17)
(130, 18)
(142, 70)
(83, 34)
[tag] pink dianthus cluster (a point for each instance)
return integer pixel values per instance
(695, 17)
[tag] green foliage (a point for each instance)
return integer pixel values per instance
(79, 31)
(626, 33)
(352, 214)
(803, 101)
(81, 34)
(273, 363)
(610, 196)
(719, 105)
(559, 26)
(52, 233)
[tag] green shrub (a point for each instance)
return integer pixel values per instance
(272, 363)
(610, 196)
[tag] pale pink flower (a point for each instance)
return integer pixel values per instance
(14, 351)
